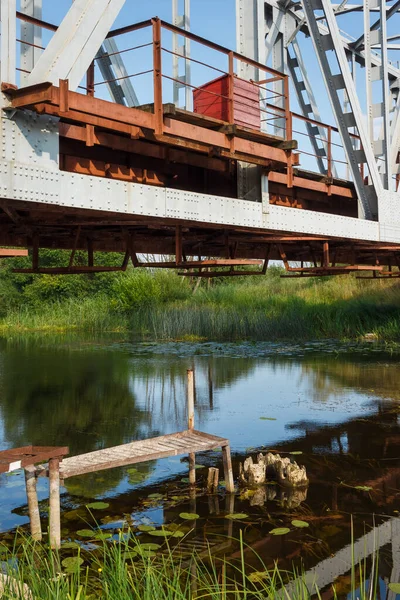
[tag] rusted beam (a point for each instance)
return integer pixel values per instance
(12, 252)
(210, 274)
(309, 184)
(224, 262)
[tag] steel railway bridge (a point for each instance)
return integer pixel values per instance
(147, 138)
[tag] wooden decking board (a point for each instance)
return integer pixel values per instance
(174, 444)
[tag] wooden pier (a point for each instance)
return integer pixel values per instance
(188, 442)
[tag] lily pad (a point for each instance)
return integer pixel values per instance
(130, 554)
(161, 533)
(146, 528)
(69, 545)
(72, 564)
(178, 534)
(258, 576)
(280, 531)
(189, 516)
(172, 526)
(267, 419)
(236, 516)
(147, 554)
(298, 523)
(89, 533)
(149, 546)
(394, 587)
(98, 505)
(103, 535)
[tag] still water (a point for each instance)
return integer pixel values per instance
(335, 406)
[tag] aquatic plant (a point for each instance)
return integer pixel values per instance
(126, 569)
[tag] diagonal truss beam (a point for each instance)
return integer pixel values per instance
(334, 84)
(76, 42)
(114, 72)
(308, 107)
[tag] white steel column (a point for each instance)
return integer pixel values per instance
(8, 40)
(32, 35)
(181, 81)
(384, 108)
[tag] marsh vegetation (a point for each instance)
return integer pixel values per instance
(160, 305)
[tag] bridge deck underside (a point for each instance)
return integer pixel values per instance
(50, 226)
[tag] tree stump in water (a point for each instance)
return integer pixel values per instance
(283, 470)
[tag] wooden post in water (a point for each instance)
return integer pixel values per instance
(212, 480)
(190, 400)
(54, 484)
(228, 472)
(33, 505)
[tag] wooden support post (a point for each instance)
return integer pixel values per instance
(54, 484)
(33, 505)
(228, 472)
(190, 400)
(212, 480)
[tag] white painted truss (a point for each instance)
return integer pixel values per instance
(267, 30)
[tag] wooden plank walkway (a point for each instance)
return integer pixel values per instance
(173, 444)
(188, 442)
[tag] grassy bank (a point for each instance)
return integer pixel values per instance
(163, 306)
(129, 570)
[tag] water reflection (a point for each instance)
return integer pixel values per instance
(341, 411)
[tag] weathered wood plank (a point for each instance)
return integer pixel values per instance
(174, 444)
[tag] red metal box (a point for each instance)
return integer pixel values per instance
(211, 99)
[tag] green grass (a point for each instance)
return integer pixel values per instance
(122, 570)
(163, 306)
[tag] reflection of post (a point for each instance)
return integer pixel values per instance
(190, 398)
(33, 505)
(54, 483)
(230, 509)
(210, 389)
